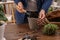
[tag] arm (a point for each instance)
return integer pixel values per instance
(46, 4)
(44, 8)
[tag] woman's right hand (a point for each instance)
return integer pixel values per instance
(20, 8)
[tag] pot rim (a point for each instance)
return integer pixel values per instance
(3, 24)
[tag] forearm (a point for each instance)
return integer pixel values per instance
(46, 5)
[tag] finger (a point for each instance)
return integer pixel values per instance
(43, 16)
(18, 9)
(20, 4)
(40, 15)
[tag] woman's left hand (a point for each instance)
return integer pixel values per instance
(42, 14)
(41, 17)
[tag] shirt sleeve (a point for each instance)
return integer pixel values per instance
(46, 5)
(16, 1)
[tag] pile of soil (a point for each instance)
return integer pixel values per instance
(54, 16)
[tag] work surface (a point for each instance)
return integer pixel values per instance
(14, 32)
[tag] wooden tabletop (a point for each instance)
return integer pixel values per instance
(15, 32)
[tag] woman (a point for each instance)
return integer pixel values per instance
(39, 7)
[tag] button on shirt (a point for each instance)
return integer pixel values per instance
(32, 5)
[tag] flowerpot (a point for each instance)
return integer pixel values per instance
(33, 23)
(2, 28)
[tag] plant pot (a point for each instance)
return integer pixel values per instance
(33, 23)
(2, 28)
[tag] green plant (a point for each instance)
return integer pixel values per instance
(2, 15)
(50, 29)
(50, 9)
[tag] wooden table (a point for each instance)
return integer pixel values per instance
(14, 32)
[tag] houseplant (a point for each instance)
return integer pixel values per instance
(3, 20)
(50, 29)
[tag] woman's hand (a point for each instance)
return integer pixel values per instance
(41, 17)
(42, 14)
(20, 8)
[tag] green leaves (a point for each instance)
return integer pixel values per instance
(50, 29)
(1, 8)
(2, 15)
(50, 9)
